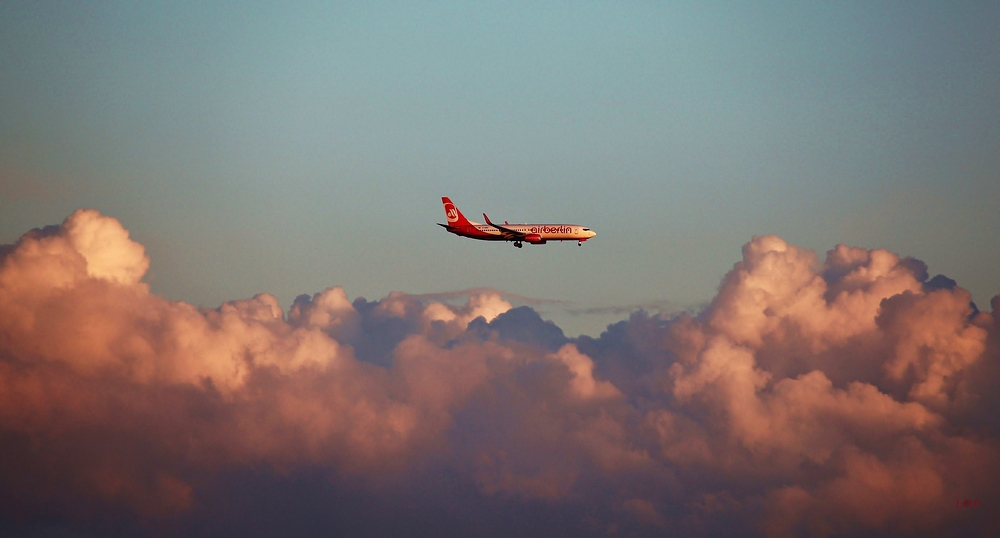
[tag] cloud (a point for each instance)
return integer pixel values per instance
(664, 307)
(833, 396)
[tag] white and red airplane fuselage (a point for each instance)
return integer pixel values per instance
(536, 234)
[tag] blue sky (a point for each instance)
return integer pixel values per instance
(285, 148)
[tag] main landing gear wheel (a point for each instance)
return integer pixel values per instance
(518, 244)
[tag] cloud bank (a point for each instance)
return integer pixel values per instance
(822, 397)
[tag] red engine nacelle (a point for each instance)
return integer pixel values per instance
(534, 239)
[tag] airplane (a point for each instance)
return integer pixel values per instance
(536, 234)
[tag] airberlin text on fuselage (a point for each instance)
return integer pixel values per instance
(551, 229)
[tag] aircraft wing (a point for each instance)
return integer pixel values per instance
(507, 232)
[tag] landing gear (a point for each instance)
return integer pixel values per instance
(580, 244)
(518, 244)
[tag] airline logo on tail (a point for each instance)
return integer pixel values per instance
(454, 216)
(450, 211)
(536, 234)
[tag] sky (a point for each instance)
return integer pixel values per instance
(308, 144)
(219, 218)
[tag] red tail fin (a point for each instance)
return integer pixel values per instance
(455, 217)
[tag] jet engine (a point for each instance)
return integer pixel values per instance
(534, 239)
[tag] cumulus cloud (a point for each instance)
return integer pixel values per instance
(810, 396)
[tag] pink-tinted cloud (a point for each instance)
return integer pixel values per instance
(816, 397)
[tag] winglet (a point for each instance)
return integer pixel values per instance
(487, 219)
